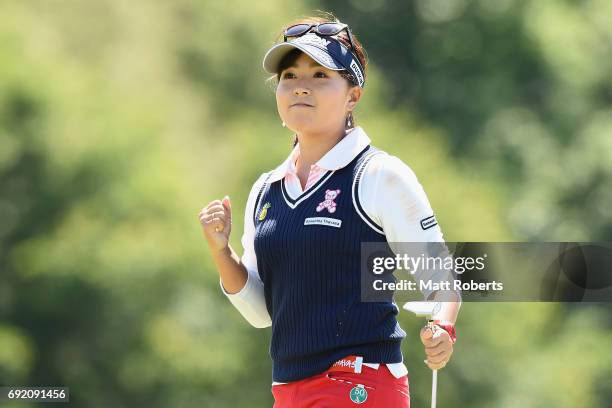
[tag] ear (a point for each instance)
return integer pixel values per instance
(353, 97)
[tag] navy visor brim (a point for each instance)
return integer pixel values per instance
(329, 53)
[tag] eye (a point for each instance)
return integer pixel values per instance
(288, 75)
(320, 74)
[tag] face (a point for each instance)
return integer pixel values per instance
(312, 99)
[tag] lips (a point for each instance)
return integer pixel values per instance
(302, 104)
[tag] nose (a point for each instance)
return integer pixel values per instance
(301, 90)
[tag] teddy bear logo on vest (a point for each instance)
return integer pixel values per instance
(330, 196)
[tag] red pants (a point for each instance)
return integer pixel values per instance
(338, 389)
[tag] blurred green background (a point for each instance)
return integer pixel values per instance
(120, 120)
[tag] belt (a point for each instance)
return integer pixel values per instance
(350, 364)
(354, 364)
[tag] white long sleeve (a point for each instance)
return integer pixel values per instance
(393, 197)
(250, 300)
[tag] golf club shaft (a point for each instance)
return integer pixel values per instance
(434, 387)
(434, 373)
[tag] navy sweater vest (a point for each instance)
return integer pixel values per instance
(308, 257)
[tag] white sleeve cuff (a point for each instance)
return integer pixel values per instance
(250, 301)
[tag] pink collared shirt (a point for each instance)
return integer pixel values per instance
(291, 176)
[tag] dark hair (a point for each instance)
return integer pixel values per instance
(342, 36)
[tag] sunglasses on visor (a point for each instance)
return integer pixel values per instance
(327, 29)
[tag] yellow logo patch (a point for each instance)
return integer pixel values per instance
(264, 211)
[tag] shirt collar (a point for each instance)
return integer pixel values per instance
(336, 158)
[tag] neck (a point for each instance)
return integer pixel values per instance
(313, 146)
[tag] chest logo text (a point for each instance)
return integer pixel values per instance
(330, 222)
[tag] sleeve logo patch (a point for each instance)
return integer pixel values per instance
(427, 223)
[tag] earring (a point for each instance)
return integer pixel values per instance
(284, 124)
(349, 120)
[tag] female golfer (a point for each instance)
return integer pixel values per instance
(304, 225)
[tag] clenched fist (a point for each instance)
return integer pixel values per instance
(216, 221)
